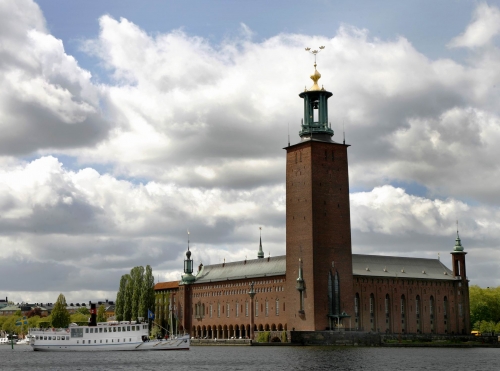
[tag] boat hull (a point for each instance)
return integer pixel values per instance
(181, 343)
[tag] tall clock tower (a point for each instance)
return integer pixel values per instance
(319, 280)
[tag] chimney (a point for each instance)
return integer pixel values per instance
(93, 315)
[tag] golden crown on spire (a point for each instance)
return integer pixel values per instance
(316, 75)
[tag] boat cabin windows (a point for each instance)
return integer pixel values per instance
(77, 332)
(105, 329)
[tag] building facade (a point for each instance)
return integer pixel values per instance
(319, 284)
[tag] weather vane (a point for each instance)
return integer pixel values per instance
(314, 52)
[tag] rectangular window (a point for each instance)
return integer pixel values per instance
(100, 330)
(91, 330)
(237, 309)
(246, 308)
(277, 307)
(86, 330)
(119, 329)
(218, 309)
(227, 309)
(210, 310)
(128, 328)
(267, 308)
(105, 329)
(256, 308)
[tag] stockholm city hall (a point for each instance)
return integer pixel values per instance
(319, 284)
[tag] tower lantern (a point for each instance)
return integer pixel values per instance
(315, 122)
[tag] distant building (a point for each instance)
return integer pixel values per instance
(319, 284)
(4, 303)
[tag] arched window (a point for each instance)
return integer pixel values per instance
(403, 313)
(356, 311)
(372, 312)
(445, 314)
(387, 313)
(333, 293)
(417, 313)
(431, 312)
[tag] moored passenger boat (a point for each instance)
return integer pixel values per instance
(103, 336)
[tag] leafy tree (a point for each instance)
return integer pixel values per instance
(484, 304)
(127, 299)
(60, 315)
(101, 313)
(79, 318)
(120, 298)
(83, 310)
(147, 300)
(34, 312)
(137, 276)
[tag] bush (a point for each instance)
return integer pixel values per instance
(263, 337)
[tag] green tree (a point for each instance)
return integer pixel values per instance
(147, 300)
(137, 276)
(83, 310)
(120, 298)
(127, 299)
(79, 318)
(484, 304)
(101, 313)
(60, 315)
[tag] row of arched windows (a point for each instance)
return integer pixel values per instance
(403, 312)
(200, 310)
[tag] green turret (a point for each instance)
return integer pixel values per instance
(315, 124)
(188, 267)
(458, 244)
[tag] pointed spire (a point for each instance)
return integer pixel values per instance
(458, 244)
(260, 254)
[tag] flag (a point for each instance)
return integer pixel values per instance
(151, 315)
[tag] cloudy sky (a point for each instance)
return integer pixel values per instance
(126, 123)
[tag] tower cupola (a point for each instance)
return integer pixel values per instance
(458, 244)
(315, 123)
(188, 267)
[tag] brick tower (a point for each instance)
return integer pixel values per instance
(319, 279)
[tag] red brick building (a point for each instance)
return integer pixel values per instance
(319, 284)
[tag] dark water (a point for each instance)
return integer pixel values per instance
(257, 358)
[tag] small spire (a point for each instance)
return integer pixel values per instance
(458, 244)
(188, 253)
(260, 254)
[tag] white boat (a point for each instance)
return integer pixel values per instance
(25, 341)
(103, 337)
(4, 341)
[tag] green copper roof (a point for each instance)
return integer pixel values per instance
(458, 244)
